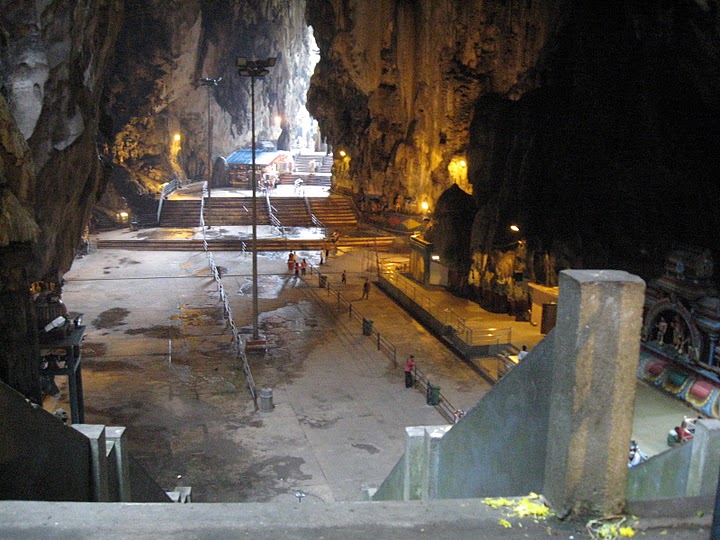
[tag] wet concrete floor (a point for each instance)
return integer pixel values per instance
(157, 358)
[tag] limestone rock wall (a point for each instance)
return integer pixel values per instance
(164, 47)
(53, 59)
(593, 126)
(398, 81)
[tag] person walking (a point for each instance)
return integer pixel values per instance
(291, 262)
(366, 290)
(303, 267)
(297, 269)
(409, 369)
(343, 278)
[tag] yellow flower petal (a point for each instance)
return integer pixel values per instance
(505, 523)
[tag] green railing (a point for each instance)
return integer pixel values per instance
(471, 334)
(384, 345)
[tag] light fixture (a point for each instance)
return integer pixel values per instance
(176, 137)
(424, 205)
(514, 228)
(435, 257)
(278, 120)
(343, 153)
(209, 82)
(462, 163)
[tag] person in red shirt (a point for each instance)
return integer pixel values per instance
(409, 369)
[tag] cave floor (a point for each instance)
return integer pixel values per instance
(157, 358)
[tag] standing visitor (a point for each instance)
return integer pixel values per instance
(409, 368)
(343, 279)
(366, 289)
(303, 267)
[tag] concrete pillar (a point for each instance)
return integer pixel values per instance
(705, 459)
(433, 438)
(422, 458)
(96, 436)
(414, 463)
(118, 436)
(596, 350)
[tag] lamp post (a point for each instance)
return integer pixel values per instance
(209, 82)
(254, 69)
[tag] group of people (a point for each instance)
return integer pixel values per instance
(299, 267)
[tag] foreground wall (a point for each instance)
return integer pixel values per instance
(41, 458)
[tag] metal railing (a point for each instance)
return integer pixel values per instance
(166, 191)
(273, 218)
(238, 342)
(469, 333)
(384, 345)
(450, 413)
(316, 221)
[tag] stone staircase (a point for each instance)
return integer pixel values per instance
(291, 211)
(234, 211)
(185, 213)
(334, 211)
(322, 176)
(180, 213)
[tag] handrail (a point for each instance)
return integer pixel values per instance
(227, 311)
(450, 413)
(471, 334)
(166, 191)
(273, 218)
(316, 221)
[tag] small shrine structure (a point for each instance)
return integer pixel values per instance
(681, 326)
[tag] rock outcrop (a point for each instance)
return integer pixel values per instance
(54, 59)
(159, 111)
(591, 126)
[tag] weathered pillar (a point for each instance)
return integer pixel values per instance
(415, 463)
(96, 438)
(705, 459)
(422, 455)
(118, 436)
(597, 343)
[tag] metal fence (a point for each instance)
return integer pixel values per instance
(443, 406)
(470, 333)
(238, 342)
(167, 189)
(273, 218)
(384, 345)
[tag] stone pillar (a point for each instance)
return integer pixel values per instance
(705, 459)
(433, 438)
(596, 351)
(118, 436)
(96, 440)
(422, 456)
(415, 465)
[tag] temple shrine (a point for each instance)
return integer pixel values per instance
(681, 325)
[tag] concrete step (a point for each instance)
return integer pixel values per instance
(264, 244)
